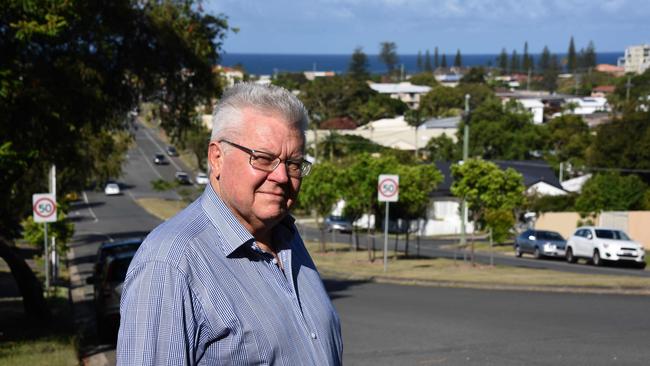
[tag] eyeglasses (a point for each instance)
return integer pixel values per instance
(268, 162)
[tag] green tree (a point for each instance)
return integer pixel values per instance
(379, 106)
(502, 61)
(443, 61)
(506, 133)
(458, 60)
(572, 59)
(424, 78)
(359, 187)
(388, 55)
(436, 58)
(492, 194)
(622, 144)
(427, 62)
(589, 56)
(544, 60)
(569, 138)
(442, 148)
(634, 98)
(358, 67)
(70, 72)
(475, 75)
(289, 80)
(196, 141)
(416, 184)
(441, 102)
(527, 60)
(611, 192)
(320, 192)
(514, 62)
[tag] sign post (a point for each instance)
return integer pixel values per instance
(44, 209)
(387, 191)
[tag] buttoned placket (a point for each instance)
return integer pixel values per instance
(284, 279)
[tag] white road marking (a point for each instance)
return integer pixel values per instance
(95, 219)
(144, 129)
(149, 163)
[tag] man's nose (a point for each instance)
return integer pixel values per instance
(279, 174)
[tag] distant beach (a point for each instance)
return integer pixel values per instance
(267, 64)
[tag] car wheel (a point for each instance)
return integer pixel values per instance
(569, 256)
(595, 259)
(537, 253)
(517, 251)
(641, 265)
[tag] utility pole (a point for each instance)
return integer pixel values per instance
(463, 203)
(561, 171)
(628, 86)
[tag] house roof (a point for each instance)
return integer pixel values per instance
(448, 122)
(533, 172)
(396, 88)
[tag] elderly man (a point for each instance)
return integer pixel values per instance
(228, 280)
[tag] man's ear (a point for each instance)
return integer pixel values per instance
(215, 159)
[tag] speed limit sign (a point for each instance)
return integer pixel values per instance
(388, 188)
(44, 207)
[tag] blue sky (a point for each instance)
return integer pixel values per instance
(474, 26)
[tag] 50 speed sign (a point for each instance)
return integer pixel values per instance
(388, 188)
(44, 207)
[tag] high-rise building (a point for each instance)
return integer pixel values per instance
(636, 59)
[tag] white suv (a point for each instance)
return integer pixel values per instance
(601, 244)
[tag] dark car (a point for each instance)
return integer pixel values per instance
(183, 178)
(338, 223)
(171, 151)
(111, 264)
(540, 243)
(159, 159)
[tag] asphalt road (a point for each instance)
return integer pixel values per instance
(399, 325)
(433, 248)
(410, 325)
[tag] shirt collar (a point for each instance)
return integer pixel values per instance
(233, 232)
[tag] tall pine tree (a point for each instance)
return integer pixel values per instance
(443, 62)
(527, 61)
(427, 62)
(544, 59)
(436, 58)
(502, 61)
(572, 61)
(458, 60)
(514, 62)
(358, 67)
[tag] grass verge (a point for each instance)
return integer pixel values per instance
(339, 261)
(26, 343)
(161, 208)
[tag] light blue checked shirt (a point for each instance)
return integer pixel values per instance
(200, 292)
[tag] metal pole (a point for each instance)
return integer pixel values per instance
(46, 256)
(386, 238)
(463, 203)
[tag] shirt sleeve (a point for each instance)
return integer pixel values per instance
(159, 319)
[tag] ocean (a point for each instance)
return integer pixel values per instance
(268, 64)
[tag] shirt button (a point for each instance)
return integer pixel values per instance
(313, 335)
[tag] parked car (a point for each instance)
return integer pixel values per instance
(112, 189)
(338, 223)
(601, 245)
(111, 264)
(183, 178)
(202, 178)
(540, 243)
(171, 151)
(159, 159)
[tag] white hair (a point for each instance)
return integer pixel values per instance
(227, 115)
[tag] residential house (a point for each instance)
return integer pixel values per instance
(535, 107)
(404, 91)
(229, 75)
(610, 69)
(443, 215)
(311, 75)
